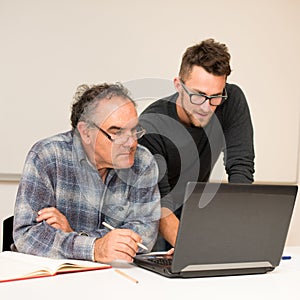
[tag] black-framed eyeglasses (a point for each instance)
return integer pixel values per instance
(121, 137)
(198, 98)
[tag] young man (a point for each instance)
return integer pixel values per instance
(187, 131)
(95, 173)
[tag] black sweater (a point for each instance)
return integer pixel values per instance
(189, 153)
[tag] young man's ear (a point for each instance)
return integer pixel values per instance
(84, 132)
(177, 84)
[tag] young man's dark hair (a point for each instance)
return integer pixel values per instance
(210, 55)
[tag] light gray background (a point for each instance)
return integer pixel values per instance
(48, 48)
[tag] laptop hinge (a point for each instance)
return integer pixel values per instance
(245, 265)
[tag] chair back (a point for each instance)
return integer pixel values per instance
(7, 233)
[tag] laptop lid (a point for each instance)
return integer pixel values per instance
(233, 227)
(228, 229)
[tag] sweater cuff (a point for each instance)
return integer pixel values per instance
(240, 178)
(168, 202)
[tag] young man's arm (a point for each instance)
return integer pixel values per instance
(238, 132)
(168, 225)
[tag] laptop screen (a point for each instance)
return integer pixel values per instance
(232, 224)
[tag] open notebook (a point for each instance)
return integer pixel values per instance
(18, 266)
(227, 229)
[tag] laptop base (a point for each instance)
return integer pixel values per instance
(207, 273)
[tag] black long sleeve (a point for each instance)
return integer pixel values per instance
(190, 153)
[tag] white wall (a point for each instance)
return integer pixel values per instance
(50, 47)
(7, 196)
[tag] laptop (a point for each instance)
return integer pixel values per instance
(227, 229)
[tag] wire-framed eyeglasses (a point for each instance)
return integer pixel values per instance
(120, 137)
(199, 98)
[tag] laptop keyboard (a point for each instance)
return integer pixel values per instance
(163, 261)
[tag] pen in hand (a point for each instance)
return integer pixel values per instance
(112, 228)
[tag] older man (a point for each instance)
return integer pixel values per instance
(95, 173)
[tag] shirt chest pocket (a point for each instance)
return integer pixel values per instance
(116, 209)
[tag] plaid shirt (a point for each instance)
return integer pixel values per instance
(58, 174)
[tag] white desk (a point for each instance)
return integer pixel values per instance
(282, 283)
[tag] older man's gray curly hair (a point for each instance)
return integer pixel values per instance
(86, 99)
